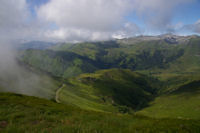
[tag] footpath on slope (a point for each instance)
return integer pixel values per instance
(57, 93)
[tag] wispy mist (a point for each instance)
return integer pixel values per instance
(15, 77)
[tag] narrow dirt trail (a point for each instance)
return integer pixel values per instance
(57, 93)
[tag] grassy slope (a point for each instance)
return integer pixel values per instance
(156, 57)
(175, 65)
(58, 63)
(187, 65)
(108, 90)
(111, 54)
(184, 102)
(29, 114)
(182, 74)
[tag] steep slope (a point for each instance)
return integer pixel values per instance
(62, 64)
(21, 113)
(182, 102)
(179, 96)
(109, 90)
(190, 61)
(139, 56)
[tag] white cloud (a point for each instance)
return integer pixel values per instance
(12, 17)
(129, 30)
(192, 28)
(77, 35)
(197, 26)
(158, 14)
(17, 23)
(12, 12)
(85, 14)
(101, 19)
(198, 22)
(84, 19)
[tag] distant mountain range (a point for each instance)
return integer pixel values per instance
(35, 45)
(169, 38)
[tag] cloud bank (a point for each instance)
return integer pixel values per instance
(105, 19)
(195, 28)
(15, 24)
(12, 17)
(86, 20)
(158, 14)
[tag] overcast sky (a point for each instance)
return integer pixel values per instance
(84, 20)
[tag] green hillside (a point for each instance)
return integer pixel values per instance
(183, 102)
(175, 64)
(142, 55)
(30, 114)
(62, 64)
(109, 90)
(157, 56)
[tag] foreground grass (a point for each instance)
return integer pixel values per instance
(30, 114)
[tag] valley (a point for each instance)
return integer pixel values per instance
(141, 84)
(99, 66)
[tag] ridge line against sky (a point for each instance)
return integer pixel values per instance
(90, 20)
